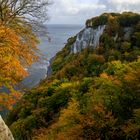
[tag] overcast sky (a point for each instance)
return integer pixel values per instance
(78, 11)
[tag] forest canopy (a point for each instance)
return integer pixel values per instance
(91, 95)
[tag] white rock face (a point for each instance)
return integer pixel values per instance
(127, 33)
(5, 133)
(87, 37)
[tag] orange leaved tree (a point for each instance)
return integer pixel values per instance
(18, 44)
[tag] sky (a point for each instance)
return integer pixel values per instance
(78, 11)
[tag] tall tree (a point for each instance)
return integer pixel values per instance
(18, 42)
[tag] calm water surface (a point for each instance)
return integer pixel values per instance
(58, 35)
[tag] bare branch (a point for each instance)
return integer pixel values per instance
(35, 9)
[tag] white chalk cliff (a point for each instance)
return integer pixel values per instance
(88, 37)
(5, 133)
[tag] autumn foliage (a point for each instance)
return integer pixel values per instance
(91, 95)
(18, 50)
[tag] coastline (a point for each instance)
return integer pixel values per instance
(49, 70)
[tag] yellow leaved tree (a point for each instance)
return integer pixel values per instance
(18, 44)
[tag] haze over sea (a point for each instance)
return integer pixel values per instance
(58, 35)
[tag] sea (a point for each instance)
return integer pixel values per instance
(50, 44)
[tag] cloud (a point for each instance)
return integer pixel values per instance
(121, 5)
(73, 11)
(78, 11)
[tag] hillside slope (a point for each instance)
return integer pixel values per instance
(94, 90)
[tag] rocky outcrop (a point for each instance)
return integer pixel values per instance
(49, 70)
(88, 37)
(5, 133)
(127, 33)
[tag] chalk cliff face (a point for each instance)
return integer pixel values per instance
(5, 133)
(88, 37)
